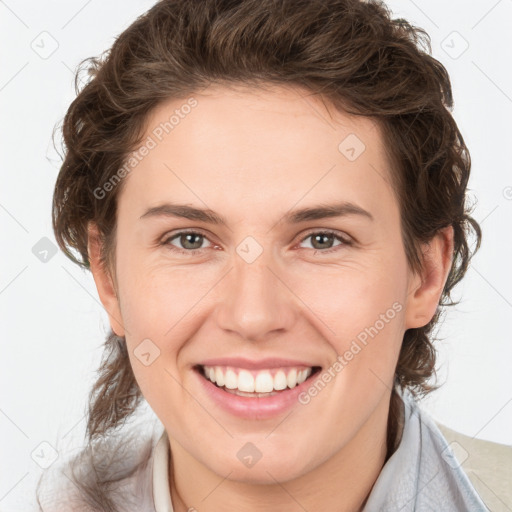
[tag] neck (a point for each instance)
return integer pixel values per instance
(348, 475)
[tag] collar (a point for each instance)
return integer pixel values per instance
(161, 492)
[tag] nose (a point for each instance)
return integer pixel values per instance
(256, 302)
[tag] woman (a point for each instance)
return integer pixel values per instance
(216, 149)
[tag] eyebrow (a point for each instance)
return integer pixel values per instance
(322, 211)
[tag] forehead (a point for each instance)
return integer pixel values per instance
(242, 149)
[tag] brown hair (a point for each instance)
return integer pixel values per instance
(350, 52)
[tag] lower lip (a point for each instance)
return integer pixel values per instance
(255, 408)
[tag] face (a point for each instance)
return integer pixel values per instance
(269, 288)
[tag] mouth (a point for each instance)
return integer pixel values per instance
(257, 383)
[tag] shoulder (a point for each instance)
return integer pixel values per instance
(487, 464)
(422, 475)
(448, 484)
(113, 474)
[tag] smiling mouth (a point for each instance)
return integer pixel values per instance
(256, 384)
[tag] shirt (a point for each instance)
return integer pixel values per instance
(421, 475)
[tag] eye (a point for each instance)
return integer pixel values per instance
(190, 241)
(322, 241)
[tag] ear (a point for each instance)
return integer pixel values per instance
(103, 280)
(425, 289)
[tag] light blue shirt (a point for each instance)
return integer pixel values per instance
(423, 473)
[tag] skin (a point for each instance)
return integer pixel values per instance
(252, 156)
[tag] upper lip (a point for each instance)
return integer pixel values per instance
(260, 364)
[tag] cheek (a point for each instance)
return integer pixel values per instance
(160, 308)
(360, 313)
(348, 298)
(374, 331)
(155, 298)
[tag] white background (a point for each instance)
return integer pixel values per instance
(52, 321)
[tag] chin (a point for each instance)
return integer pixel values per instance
(262, 472)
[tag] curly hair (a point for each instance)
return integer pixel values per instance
(351, 52)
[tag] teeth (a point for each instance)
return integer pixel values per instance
(219, 377)
(264, 381)
(280, 381)
(246, 382)
(291, 378)
(302, 376)
(230, 379)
